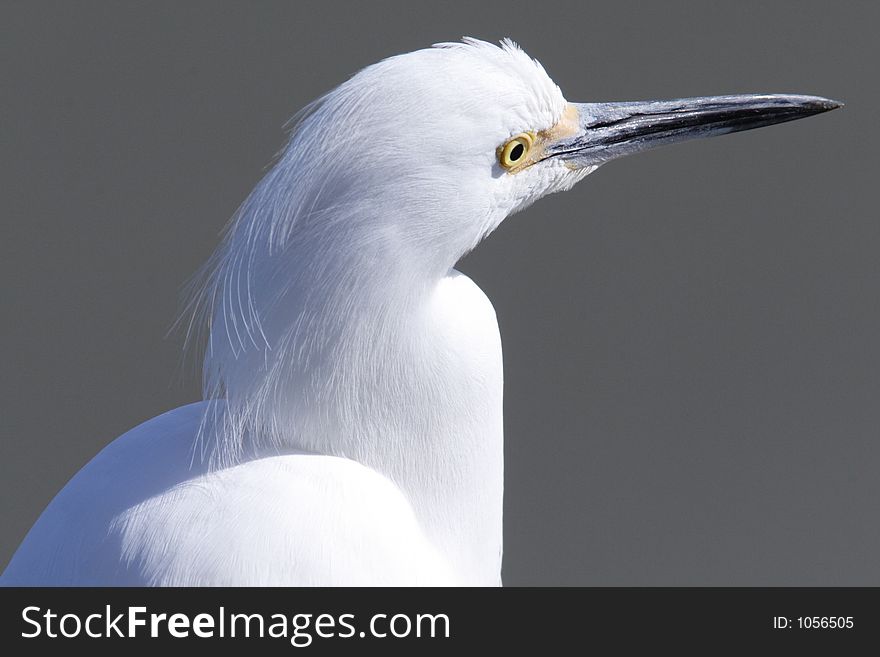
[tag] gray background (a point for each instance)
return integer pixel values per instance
(691, 335)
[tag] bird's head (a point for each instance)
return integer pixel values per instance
(432, 149)
(386, 181)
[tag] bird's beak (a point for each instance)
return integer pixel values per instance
(611, 130)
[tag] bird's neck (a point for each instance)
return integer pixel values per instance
(402, 374)
(424, 393)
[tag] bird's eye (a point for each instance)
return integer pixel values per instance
(514, 152)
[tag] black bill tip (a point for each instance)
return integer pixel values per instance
(824, 104)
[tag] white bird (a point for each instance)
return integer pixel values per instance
(352, 428)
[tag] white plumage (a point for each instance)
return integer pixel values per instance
(354, 432)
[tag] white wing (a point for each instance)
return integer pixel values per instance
(139, 514)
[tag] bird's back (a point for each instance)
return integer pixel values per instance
(144, 512)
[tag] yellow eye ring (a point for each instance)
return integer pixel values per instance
(514, 152)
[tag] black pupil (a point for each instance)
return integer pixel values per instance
(516, 152)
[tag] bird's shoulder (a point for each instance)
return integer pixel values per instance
(145, 512)
(296, 519)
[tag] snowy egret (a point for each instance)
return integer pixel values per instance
(352, 428)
